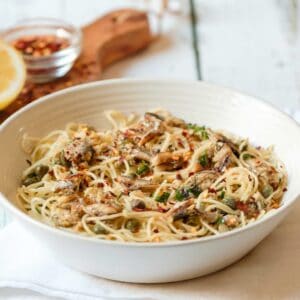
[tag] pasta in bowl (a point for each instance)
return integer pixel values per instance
(151, 178)
(191, 200)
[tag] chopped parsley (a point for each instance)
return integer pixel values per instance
(222, 194)
(181, 194)
(204, 135)
(195, 127)
(200, 130)
(186, 192)
(195, 190)
(220, 220)
(163, 197)
(203, 160)
(142, 168)
(247, 156)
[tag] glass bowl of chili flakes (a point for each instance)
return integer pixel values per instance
(49, 47)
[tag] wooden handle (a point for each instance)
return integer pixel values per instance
(109, 39)
(116, 36)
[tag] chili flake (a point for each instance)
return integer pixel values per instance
(40, 45)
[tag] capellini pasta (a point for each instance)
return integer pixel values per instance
(154, 178)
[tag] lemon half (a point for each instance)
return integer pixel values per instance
(12, 74)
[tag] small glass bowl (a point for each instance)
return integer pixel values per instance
(47, 68)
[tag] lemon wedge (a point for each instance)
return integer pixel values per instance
(12, 74)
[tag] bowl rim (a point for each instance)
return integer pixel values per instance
(6, 203)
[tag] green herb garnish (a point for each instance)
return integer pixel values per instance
(163, 197)
(222, 194)
(195, 127)
(204, 135)
(181, 194)
(247, 156)
(201, 130)
(142, 168)
(203, 160)
(195, 190)
(220, 220)
(178, 195)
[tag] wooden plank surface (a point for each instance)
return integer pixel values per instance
(253, 46)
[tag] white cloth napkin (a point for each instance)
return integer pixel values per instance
(270, 271)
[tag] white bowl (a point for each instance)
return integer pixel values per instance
(194, 101)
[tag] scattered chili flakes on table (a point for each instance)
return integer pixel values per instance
(40, 45)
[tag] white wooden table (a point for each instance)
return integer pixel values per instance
(250, 45)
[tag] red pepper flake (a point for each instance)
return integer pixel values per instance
(185, 133)
(191, 174)
(211, 190)
(180, 142)
(161, 209)
(100, 185)
(178, 176)
(284, 190)
(40, 45)
(156, 230)
(242, 206)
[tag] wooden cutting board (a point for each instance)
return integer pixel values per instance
(112, 37)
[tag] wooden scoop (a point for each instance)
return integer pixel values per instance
(105, 41)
